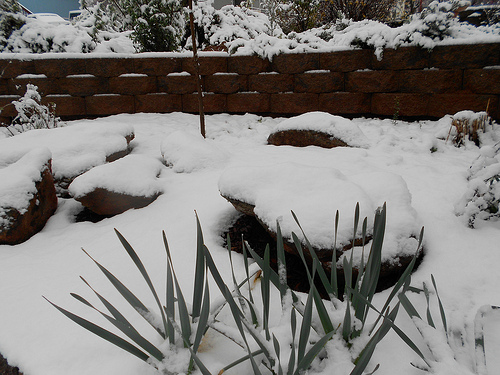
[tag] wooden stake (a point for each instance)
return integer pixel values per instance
(197, 70)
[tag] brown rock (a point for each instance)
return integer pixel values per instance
(20, 226)
(303, 138)
(108, 203)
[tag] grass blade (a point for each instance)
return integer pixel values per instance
(103, 333)
(428, 313)
(131, 252)
(128, 295)
(199, 274)
(170, 295)
(306, 361)
(280, 255)
(241, 360)
(333, 270)
(441, 308)
(266, 292)
(204, 315)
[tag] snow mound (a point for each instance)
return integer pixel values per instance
(17, 180)
(134, 175)
(75, 149)
(187, 152)
(314, 194)
(336, 126)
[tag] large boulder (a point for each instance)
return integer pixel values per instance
(317, 129)
(27, 196)
(113, 188)
(314, 194)
(75, 149)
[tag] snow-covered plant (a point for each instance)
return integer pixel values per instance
(444, 344)
(9, 6)
(10, 22)
(298, 15)
(438, 17)
(343, 321)
(481, 200)
(32, 114)
(467, 125)
(357, 10)
(158, 25)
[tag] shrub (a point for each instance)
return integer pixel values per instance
(158, 25)
(438, 17)
(32, 114)
(357, 10)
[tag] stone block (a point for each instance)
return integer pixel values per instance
(8, 109)
(157, 66)
(372, 81)
(66, 105)
(109, 66)
(132, 85)
(82, 85)
(270, 82)
(247, 64)
(226, 83)
(249, 102)
(346, 61)
(212, 103)
(482, 81)
(317, 82)
(430, 81)
(17, 86)
(291, 63)
(449, 104)
(465, 56)
(177, 84)
(55, 68)
(402, 58)
(400, 104)
(104, 105)
(208, 65)
(158, 103)
(345, 103)
(13, 68)
(293, 103)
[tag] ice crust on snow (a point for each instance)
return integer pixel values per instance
(336, 126)
(75, 148)
(17, 180)
(132, 175)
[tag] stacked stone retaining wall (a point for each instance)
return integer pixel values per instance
(408, 82)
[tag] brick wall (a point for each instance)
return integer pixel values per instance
(413, 81)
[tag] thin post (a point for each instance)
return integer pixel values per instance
(197, 70)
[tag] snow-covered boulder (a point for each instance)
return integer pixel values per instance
(314, 194)
(186, 152)
(27, 196)
(318, 129)
(113, 188)
(75, 149)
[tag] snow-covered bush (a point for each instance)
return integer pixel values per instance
(10, 22)
(438, 17)
(158, 25)
(31, 113)
(298, 15)
(481, 201)
(357, 10)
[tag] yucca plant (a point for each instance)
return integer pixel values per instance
(444, 344)
(180, 326)
(313, 335)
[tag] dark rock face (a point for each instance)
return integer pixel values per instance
(303, 138)
(108, 203)
(6, 369)
(21, 226)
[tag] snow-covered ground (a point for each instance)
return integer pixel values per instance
(464, 261)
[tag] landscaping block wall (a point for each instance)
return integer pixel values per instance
(409, 82)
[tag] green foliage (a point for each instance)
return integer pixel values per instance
(9, 6)
(10, 22)
(158, 25)
(183, 329)
(439, 336)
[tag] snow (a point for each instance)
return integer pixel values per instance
(132, 175)
(17, 180)
(409, 165)
(84, 146)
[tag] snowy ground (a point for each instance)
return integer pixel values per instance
(41, 341)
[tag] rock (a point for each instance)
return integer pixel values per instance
(318, 129)
(304, 138)
(27, 197)
(75, 149)
(113, 188)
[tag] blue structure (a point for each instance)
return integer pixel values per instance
(61, 7)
